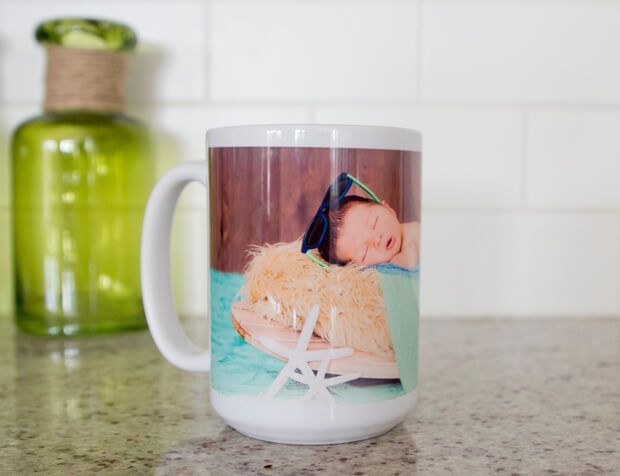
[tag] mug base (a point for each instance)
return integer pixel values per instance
(310, 423)
(316, 439)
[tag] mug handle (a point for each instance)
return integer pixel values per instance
(161, 314)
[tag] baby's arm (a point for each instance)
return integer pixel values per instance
(409, 255)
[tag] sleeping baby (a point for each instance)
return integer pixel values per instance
(365, 232)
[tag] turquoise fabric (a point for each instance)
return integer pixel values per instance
(400, 295)
(238, 368)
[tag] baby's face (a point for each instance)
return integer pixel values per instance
(370, 234)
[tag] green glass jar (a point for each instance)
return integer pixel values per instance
(82, 172)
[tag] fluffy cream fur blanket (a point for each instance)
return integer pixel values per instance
(283, 285)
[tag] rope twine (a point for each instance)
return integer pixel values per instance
(84, 79)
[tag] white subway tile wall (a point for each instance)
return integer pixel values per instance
(6, 265)
(472, 156)
(170, 66)
(526, 51)
(517, 101)
(521, 263)
(342, 50)
(574, 158)
(190, 261)
(180, 132)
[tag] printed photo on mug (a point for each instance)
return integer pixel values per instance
(315, 271)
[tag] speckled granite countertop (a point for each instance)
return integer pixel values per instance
(496, 397)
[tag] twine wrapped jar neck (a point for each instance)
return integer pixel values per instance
(85, 79)
(86, 63)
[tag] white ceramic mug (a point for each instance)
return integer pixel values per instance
(314, 278)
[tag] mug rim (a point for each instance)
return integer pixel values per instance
(335, 136)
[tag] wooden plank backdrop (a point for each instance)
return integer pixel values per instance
(268, 195)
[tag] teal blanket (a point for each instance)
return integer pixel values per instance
(239, 368)
(401, 297)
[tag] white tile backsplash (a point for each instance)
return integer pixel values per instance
(521, 51)
(186, 126)
(6, 263)
(10, 118)
(312, 50)
(190, 262)
(170, 64)
(471, 157)
(518, 104)
(573, 159)
(520, 264)
(180, 132)
(5, 163)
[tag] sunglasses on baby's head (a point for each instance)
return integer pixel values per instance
(318, 228)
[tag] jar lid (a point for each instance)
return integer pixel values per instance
(87, 33)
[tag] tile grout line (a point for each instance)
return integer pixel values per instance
(207, 20)
(357, 103)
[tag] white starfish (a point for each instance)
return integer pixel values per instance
(300, 356)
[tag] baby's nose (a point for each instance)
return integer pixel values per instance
(378, 238)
